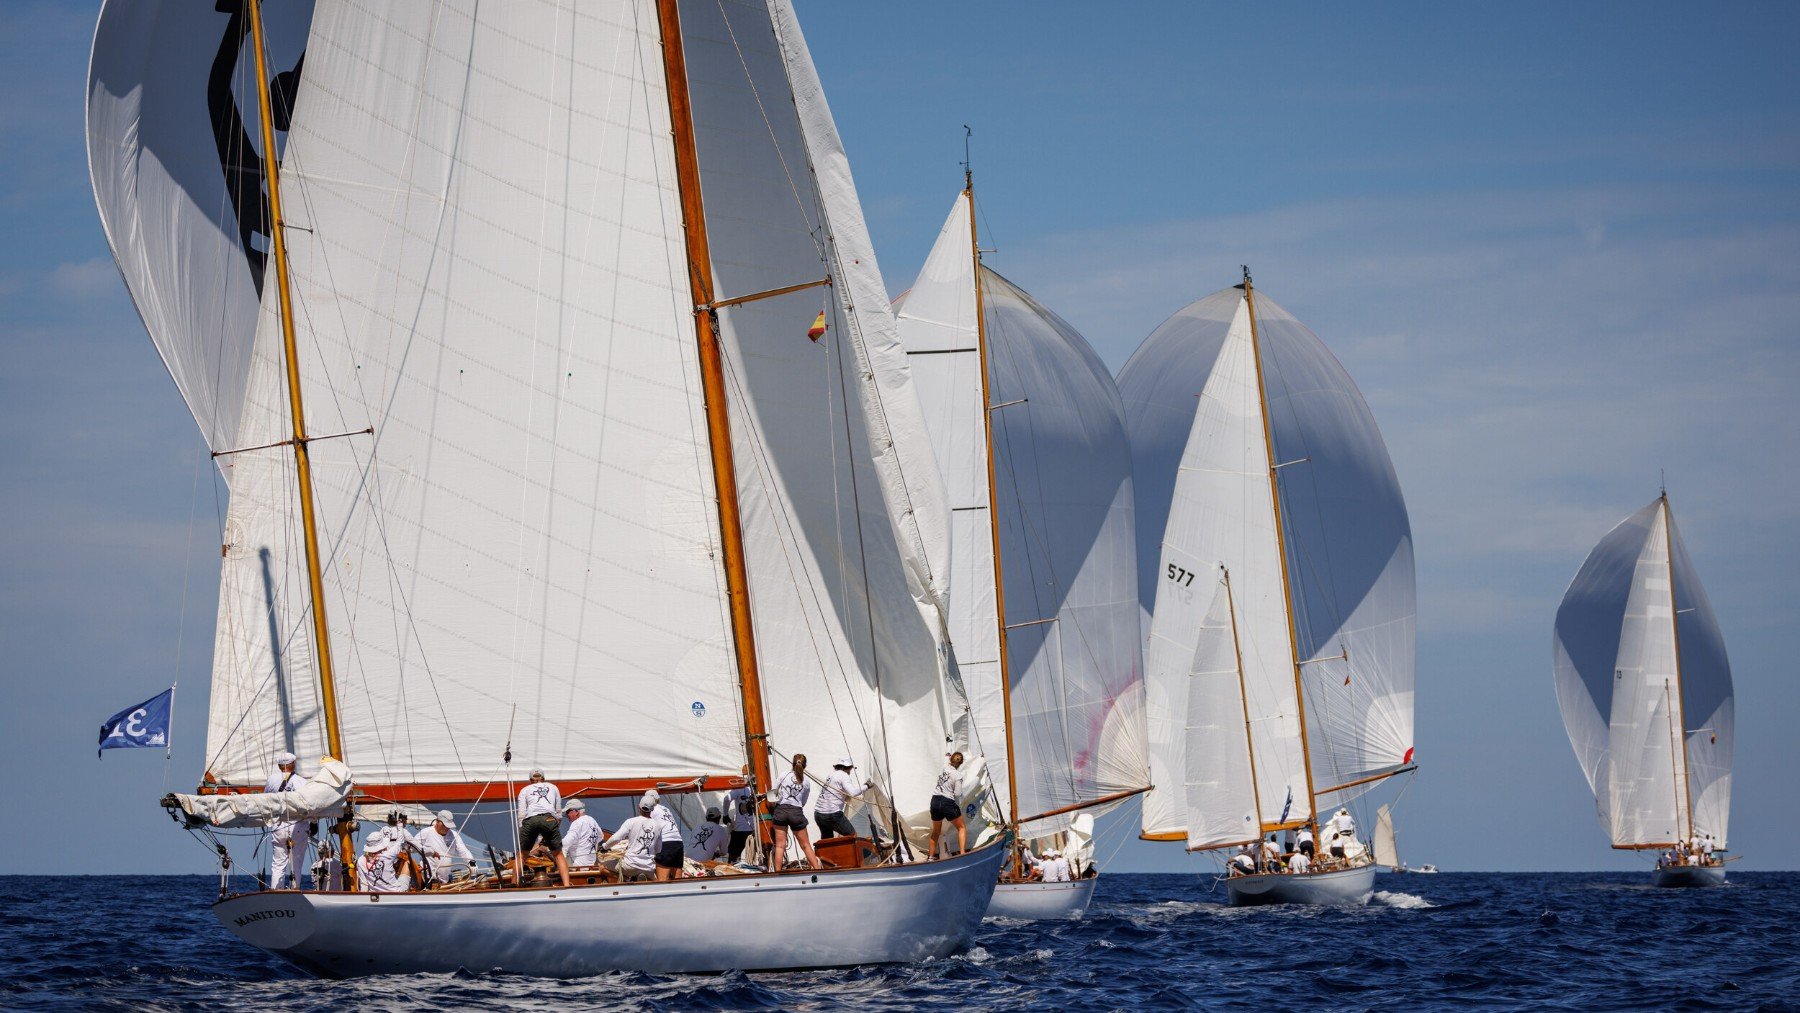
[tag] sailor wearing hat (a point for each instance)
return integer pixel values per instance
(539, 802)
(384, 868)
(581, 842)
(669, 855)
(640, 837)
(839, 789)
(1056, 867)
(443, 846)
(292, 838)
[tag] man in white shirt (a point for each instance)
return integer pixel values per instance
(442, 846)
(1343, 823)
(287, 852)
(671, 854)
(639, 837)
(581, 842)
(1056, 867)
(539, 802)
(1271, 854)
(1303, 842)
(840, 787)
(740, 807)
(710, 837)
(383, 867)
(1298, 862)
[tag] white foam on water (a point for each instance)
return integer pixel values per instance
(1403, 901)
(977, 955)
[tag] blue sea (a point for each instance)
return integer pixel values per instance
(1577, 941)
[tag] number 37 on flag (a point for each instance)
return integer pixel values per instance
(143, 726)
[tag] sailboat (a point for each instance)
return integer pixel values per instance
(572, 428)
(1275, 559)
(1030, 439)
(1645, 691)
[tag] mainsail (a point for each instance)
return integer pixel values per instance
(1273, 406)
(176, 163)
(490, 267)
(1645, 687)
(1063, 494)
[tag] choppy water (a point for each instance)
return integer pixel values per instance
(1564, 940)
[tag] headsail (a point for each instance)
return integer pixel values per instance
(176, 164)
(527, 551)
(1063, 489)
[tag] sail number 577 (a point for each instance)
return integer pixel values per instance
(1180, 576)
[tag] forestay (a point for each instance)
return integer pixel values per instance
(1061, 468)
(527, 550)
(1640, 666)
(174, 152)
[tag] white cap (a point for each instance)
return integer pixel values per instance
(537, 772)
(376, 841)
(653, 795)
(847, 761)
(648, 801)
(284, 758)
(447, 819)
(575, 804)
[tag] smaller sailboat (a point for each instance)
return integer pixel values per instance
(1387, 849)
(1030, 439)
(1645, 692)
(1275, 556)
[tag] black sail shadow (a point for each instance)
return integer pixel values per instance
(240, 158)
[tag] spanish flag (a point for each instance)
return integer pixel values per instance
(817, 330)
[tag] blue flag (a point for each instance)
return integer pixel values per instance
(1285, 806)
(143, 726)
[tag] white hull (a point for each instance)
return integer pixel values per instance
(1340, 886)
(1042, 901)
(1689, 875)
(890, 914)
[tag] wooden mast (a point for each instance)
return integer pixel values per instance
(1287, 594)
(993, 507)
(334, 741)
(1679, 713)
(718, 418)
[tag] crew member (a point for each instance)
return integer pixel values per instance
(1343, 823)
(1299, 862)
(839, 789)
(639, 838)
(1244, 862)
(539, 802)
(1303, 842)
(384, 868)
(1056, 867)
(442, 846)
(740, 806)
(292, 838)
(790, 797)
(581, 842)
(670, 855)
(946, 804)
(710, 837)
(1271, 854)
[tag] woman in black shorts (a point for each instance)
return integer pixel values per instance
(944, 805)
(790, 796)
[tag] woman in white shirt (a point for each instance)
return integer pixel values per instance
(946, 804)
(790, 797)
(837, 792)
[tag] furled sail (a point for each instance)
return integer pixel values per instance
(174, 152)
(323, 794)
(526, 553)
(1061, 467)
(1203, 467)
(1644, 686)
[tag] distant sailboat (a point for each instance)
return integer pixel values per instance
(1275, 557)
(1645, 691)
(576, 480)
(1030, 438)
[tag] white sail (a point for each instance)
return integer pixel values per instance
(1220, 803)
(175, 155)
(527, 549)
(1386, 851)
(1221, 515)
(1631, 693)
(1708, 713)
(1347, 543)
(1062, 472)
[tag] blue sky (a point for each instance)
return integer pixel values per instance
(1558, 246)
